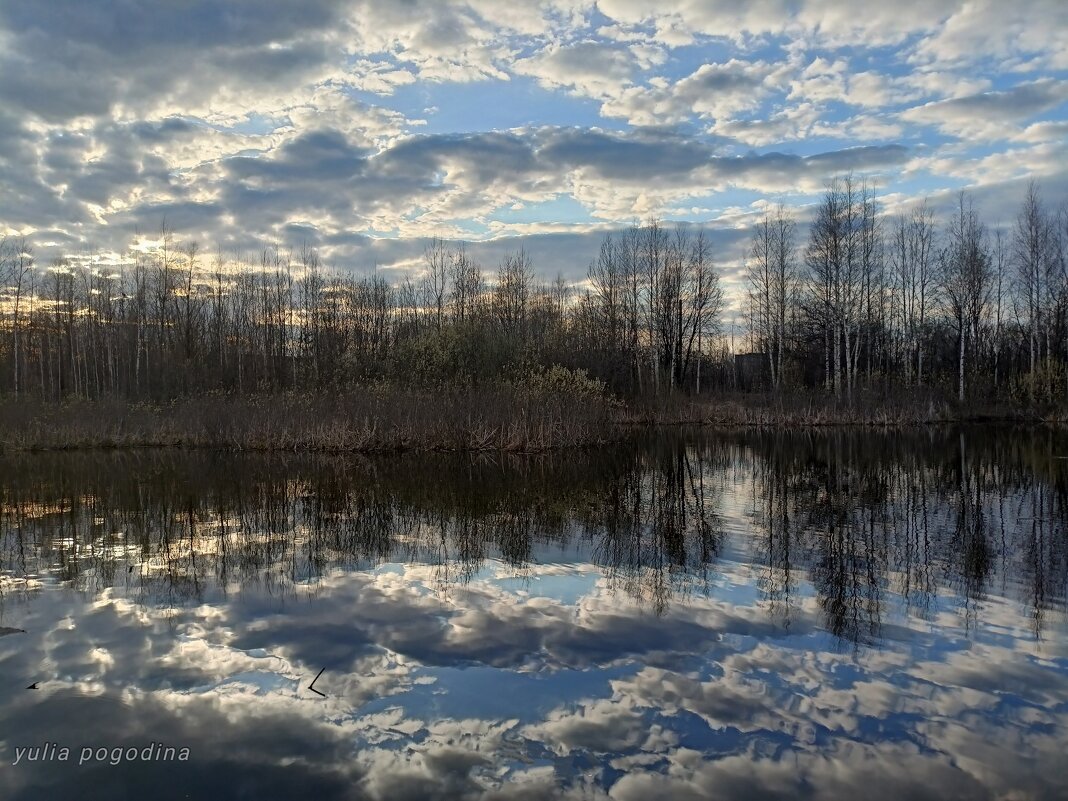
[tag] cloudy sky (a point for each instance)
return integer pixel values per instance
(363, 128)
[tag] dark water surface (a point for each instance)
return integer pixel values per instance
(697, 616)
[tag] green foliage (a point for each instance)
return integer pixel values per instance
(560, 381)
(1045, 384)
(460, 354)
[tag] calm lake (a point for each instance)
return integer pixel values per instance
(693, 616)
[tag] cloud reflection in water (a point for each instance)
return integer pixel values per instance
(696, 617)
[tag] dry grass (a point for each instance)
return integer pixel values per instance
(492, 419)
(812, 409)
(366, 421)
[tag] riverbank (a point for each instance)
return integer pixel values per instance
(806, 409)
(502, 419)
(366, 421)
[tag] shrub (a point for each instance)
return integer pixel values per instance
(560, 381)
(1046, 384)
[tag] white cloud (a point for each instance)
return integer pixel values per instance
(821, 81)
(789, 124)
(990, 115)
(986, 29)
(713, 91)
(105, 128)
(835, 22)
(590, 68)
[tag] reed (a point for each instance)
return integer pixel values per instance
(815, 409)
(368, 421)
(501, 418)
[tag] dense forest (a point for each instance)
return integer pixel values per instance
(853, 300)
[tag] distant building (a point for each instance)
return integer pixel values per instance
(752, 372)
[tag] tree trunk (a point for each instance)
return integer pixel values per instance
(960, 367)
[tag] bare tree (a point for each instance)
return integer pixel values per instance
(20, 261)
(436, 259)
(466, 282)
(835, 256)
(511, 294)
(911, 258)
(967, 280)
(1032, 252)
(773, 282)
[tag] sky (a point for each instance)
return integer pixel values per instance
(363, 128)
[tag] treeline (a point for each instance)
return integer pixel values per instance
(858, 300)
(171, 321)
(916, 299)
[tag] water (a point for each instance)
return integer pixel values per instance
(693, 616)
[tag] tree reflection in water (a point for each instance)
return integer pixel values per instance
(733, 615)
(867, 519)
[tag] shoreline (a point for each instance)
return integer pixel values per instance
(474, 421)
